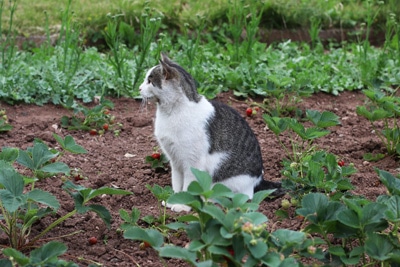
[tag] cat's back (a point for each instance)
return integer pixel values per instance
(229, 132)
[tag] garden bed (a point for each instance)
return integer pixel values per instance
(119, 161)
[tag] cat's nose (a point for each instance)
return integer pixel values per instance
(140, 88)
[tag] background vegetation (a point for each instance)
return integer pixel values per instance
(221, 44)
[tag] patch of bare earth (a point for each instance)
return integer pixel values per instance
(105, 164)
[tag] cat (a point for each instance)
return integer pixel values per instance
(207, 135)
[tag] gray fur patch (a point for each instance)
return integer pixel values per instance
(229, 132)
(156, 76)
(186, 81)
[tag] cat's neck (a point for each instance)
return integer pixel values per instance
(178, 104)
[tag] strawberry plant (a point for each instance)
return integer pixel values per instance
(318, 172)
(4, 125)
(162, 194)
(225, 228)
(301, 138)
(43, 161)
(96, 120)
(357, 230)
(21, 204)
(46, 255)
(130, 219)
(157, 160)
(385, 108)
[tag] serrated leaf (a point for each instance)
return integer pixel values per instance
(43, 197)
(203, 178)
(103, 213)
(18, 257)
(324, 119)
(259, 196)
(56, 167)
(182, 198)
(89, 193)
(151, 236)
(275, 124)
(315, 132)
(178, 253)
(378, 246)
(73, 147)
(288, 238)
(48, 252)
(392, 183)
(9, 154)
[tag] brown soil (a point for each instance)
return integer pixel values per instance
(105, 164)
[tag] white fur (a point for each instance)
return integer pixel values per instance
(180, 128)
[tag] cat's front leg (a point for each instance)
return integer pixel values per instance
(178, 183)
(177, 178)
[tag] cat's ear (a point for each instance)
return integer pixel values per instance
(167, 69)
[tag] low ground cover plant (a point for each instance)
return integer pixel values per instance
(226, 228)
(22, 204)
(383, 106)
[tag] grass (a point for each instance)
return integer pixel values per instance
(92, 14)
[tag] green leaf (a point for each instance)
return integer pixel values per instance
(69, 144)
(214, 212)
(183, 198)
(151, 236)
(10, 179)
(48, 252)
(4, 126)
(315, 132)
(374, 115)
(56, 167)
(103, 213)
(378, 246)
(178, 253)
(35, 157)
(392, 183)
(256, 217)
(20, 258)
(288, 238)
(6, 263)
(72, 147)
(203, 178)
(89, 193)
(258, 249)
(9, 154)
(299, 129)
(259, 196)
(393, 209)
(43, 197)
(275, 124)
(322, 120)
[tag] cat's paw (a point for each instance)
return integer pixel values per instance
(180, 208)
(176, 207)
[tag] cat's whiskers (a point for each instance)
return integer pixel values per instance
(143, 105)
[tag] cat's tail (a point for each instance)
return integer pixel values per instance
(267, 185)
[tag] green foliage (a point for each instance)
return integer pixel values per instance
(317, 172)
(347, 221)
(157, 163)
(22, 205)
(130, 219)
(46, 255)
(227, 232)
(383, 107)
(301, 138)
(4, 126)
(92, 119)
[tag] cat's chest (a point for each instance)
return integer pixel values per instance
(187, 123)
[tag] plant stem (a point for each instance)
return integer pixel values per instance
(52, 225)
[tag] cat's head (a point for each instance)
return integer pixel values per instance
(168, 82)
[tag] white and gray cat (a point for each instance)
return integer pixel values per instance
(206, 135)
